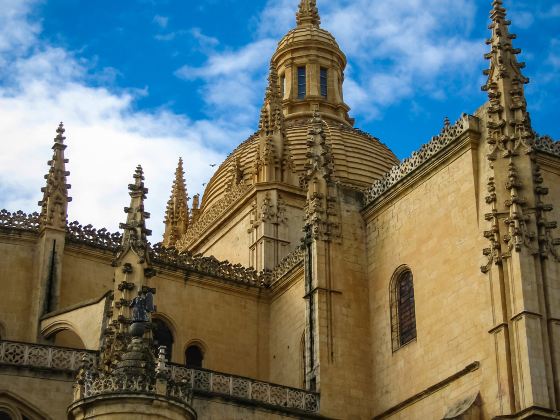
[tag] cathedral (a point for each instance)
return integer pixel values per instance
(318, 277)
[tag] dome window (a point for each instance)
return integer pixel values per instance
(301, 82)
(324, 79)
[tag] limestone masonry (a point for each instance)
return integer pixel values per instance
(317, 276)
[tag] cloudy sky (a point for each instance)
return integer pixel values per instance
(147, 81)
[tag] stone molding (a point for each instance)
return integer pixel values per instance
(285, 266)
(19, 220)
(204, 381)
(210, 266)
(209, 217)
(438, 143)
(167, 257)
(547, 145)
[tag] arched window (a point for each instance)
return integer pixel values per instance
(163, 337)
(194, 356)
(403, 316)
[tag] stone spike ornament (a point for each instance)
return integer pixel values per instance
(135, 232)
(509, 119)
(273, 162)
(308, 13)
(177, 213)
(54, 205)
(272, 117)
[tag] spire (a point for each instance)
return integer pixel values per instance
(54, 205)
(272, 117)
(508, 107)
(177, 213)
(308, 14)
(135, 232)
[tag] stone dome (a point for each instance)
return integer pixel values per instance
(304, 35)
(306, 77)
(359, 158)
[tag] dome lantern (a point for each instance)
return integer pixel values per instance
(310, 67)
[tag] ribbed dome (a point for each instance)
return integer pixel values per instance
(359, 158)
(308, 34)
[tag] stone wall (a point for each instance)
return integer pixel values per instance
(287, 323)
(16, 276)
(433, 227)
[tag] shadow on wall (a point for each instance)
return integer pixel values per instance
(67, 338)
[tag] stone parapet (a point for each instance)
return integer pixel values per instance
(38, 356)
(244, 389)
(418, 158)
(547, 145)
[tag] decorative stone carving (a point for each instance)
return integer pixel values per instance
(547, 145)
(19, 221)
(321, 209)
(210, 266)
(101, 238)
(210, 216)
(43, 357)
(418, 158)
(54, 205)
(293, 260)
(245, 388)
(177, 212)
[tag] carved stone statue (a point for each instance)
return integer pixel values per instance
(142, 305)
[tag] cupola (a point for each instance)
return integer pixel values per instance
(310, 67)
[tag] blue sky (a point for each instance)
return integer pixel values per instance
(147, 81)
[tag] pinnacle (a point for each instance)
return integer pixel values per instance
(308, 14)
(54, 205)
(60, 134)
(177, 212)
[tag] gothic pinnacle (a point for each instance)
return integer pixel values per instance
(135, 232)
(272, 117)
(308, 14)
(54, 205)
(508, 106)
(177, 213)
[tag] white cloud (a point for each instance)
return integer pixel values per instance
(107, 137)
(233, 82)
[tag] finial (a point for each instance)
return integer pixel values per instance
(177, 212)
(54, 205)
(446, 123)
(308, 13)
(508, 106)
(272, 117)
(135, 233)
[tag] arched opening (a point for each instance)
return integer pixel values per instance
(67, 338)
(403, 314)
(13, 407)
(194, 356)
(163, 337)
(4, 415)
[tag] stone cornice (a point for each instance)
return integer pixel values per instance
(284, 272)
(98, 242)
(212, 218)
(453, 139)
